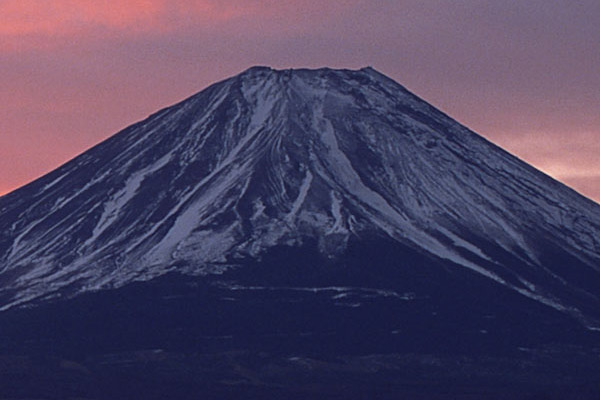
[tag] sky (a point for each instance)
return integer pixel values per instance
(522, 73)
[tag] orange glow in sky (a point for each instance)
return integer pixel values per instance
(523, 74)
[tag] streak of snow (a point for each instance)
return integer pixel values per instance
(336, 211)
(457, 241)
(113, 207)
(304, 188)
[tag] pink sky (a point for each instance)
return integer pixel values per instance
(524, 74)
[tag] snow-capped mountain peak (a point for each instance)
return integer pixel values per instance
(270, 158)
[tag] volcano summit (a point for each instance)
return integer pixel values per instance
(333, 208)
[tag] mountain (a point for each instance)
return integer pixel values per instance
(331, 209)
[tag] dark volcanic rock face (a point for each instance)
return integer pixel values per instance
(290, 326)
(321, 224)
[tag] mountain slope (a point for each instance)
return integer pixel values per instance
(282, 158)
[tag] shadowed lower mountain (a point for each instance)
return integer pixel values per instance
(299, 233)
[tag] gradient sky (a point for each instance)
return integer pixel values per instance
(523, 73)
